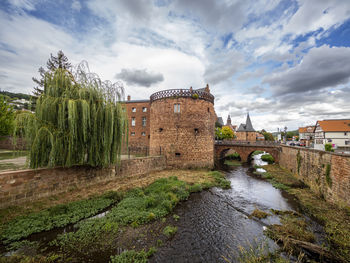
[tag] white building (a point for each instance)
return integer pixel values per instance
(306, 135)
(335, 132)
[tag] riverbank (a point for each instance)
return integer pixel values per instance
(136, 220)
(335, 219)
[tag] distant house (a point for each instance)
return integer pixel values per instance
(335, 132)
(246, 132)
(260, 137)
(306, 135)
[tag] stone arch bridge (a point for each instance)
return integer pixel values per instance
(245, 149)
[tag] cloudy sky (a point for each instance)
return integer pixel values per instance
(286, 62)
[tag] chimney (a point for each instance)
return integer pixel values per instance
(129, 98)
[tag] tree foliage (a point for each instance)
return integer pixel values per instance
(268, 136)
(6, 117)
(61, 61)
(224, 133)
(78, 120)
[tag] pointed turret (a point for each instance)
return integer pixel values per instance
(248, 125)
(228, 122)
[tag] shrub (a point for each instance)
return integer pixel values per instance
(233, 156)
(195, 96)
(328, 147)
(268, 158)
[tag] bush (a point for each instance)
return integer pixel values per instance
(233, 156)
(268, 158)
(328, 147)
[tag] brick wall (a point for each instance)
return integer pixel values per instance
(186, 138)
(28, 185)
(246, 136)
(327, 174)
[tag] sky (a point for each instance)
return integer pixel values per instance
(285, 62)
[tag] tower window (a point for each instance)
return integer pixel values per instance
(132, 133)
(143, 133)
(133, 109)
(144, 109)
(177, 154)
(143, 121)
(177, 108)
(133, 121)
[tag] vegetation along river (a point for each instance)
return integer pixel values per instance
(215, 225)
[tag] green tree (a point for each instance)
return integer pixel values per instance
(268, 136)
(78, 120)
(61, 61)
(227, 133)
(218, 133)
(6, 117)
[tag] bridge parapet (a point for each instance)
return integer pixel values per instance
(246, 143)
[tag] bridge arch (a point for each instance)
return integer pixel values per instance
(245, 150)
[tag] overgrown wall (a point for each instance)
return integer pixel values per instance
(327, 174)
(28, 185)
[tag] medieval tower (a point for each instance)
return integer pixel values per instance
(182, 127)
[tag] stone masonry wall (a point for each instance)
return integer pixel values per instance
(185, 138)
(20, 186)
(327, 174)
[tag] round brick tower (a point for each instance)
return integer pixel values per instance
(182, 127)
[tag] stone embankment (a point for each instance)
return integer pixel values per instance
(28, 185)
(326, 173)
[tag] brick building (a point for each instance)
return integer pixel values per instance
(246, 132)
(138, 112)
(177, 123)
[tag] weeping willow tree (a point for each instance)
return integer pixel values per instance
(78, 121)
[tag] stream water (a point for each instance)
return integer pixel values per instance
(214, 224)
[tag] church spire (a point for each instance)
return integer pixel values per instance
(228, 122)
(248, 124)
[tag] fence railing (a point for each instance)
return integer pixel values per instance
(251, 143)
(187, 93)
(141, 151)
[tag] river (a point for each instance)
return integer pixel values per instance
(214, 224)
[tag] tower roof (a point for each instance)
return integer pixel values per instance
(248, 124)
(247, 127)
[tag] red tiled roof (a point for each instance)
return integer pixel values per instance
(335, 125)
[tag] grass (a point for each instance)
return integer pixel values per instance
(335, 219)
(170, 231)
(257, 252)
(57, 216)
(268, 158)
(259, 213)
(232, 163)
(136, 208)
(123, 184)
(132, 256)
